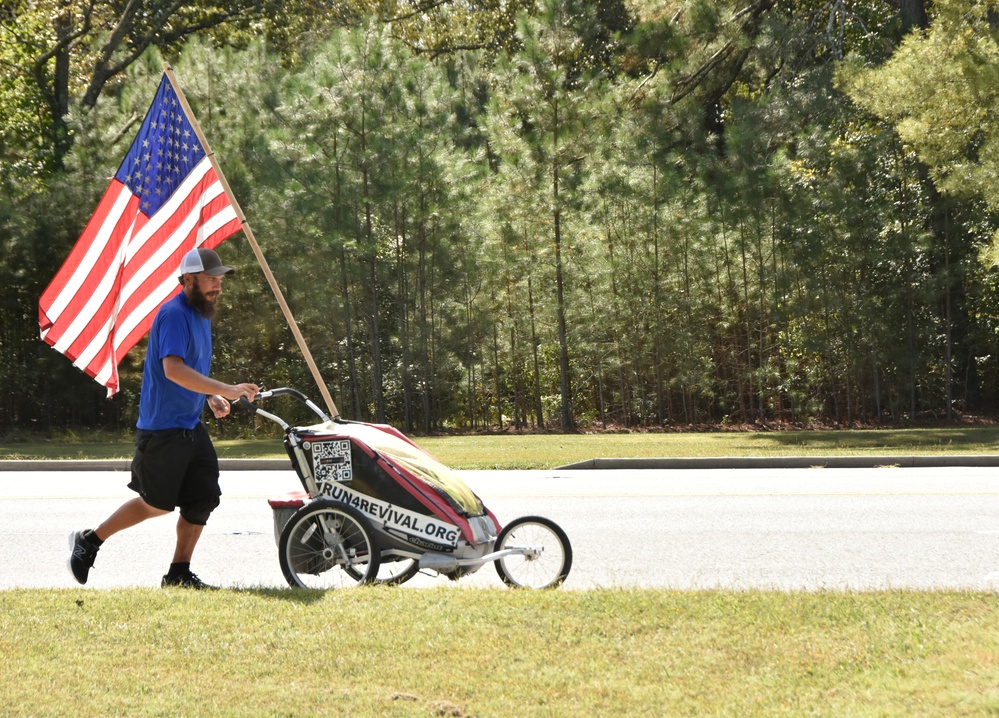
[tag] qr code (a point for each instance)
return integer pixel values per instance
(331, 462)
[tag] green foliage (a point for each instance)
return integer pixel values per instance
(940, 91)
(24, 118)
(596, 214)
(532, 451)
(444, 651)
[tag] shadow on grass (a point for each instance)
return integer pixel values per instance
(305, 596)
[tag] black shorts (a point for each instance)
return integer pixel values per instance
(177, 467)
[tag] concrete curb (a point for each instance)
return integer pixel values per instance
(720, 462)
(790, 462)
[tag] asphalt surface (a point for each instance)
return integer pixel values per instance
(893, 527)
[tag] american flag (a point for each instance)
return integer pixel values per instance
(165, 199)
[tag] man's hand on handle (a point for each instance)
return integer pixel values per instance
(219, 404)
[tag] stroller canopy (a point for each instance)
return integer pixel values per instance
(395, 447)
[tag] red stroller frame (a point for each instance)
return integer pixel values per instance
(377, 508)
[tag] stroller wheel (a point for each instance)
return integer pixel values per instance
(328, 544)
(543, 555)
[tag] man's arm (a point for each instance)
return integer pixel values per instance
(180, 373)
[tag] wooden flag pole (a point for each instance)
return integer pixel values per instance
(256, 247)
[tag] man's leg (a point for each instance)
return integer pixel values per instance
(198, 497)
(187, 538)
(180, 570)
(158, 463)
(85, 544)
(128, 514)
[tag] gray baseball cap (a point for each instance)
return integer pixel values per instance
(203, 260)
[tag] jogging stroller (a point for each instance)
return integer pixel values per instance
(378, 509)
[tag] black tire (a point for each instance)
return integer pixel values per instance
(327, 544)
(547, 563)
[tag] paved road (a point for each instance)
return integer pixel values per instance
(791, 529)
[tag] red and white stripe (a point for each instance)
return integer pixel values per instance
(124, 266)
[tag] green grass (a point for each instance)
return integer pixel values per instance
(548, 451)
(542, 451)
(453, 651)
(491, 652)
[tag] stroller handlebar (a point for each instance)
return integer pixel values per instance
(283, 391)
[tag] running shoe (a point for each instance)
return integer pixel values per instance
(188, 579)
(81, 560)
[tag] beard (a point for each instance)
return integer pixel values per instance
(201, 303)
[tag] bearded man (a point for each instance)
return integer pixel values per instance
(175, 463)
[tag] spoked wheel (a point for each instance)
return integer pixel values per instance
(395, 572)
(328, 544)
(544, 555)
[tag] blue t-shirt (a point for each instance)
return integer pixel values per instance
(178, 330)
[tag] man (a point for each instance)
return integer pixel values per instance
(175, 463)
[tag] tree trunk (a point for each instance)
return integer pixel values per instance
(514, 358)
(378, 388)
(657, 301)
(565, 385)
(426, 379)
(403, 304)
(355, 399)
(539, 410)
(912, 13)
(496, 377)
